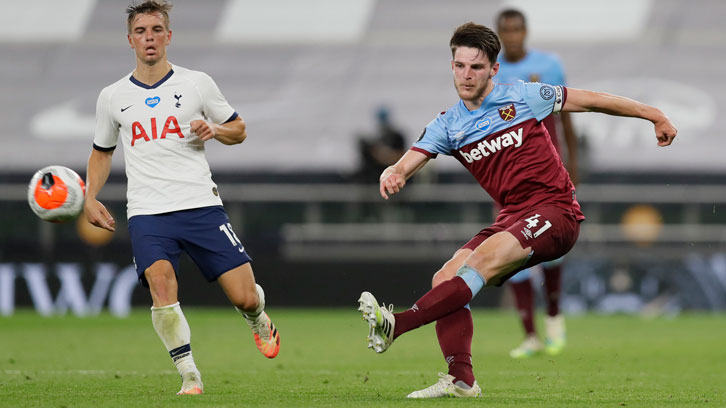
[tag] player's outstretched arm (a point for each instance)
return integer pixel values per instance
(99, 167)
(230, 133)
(394, 177)
(580, 100)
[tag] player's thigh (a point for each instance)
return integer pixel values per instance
(239, 286)
(449, 269)
(153, 238)
(497, 256)
(211, 242)
(549, 232)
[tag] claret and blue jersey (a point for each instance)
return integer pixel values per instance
(505, 146)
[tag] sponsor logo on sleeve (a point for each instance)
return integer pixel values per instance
(421, 136)
(546, 92)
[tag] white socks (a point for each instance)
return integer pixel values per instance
(173, 329)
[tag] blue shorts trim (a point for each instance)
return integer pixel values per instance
(205, 234)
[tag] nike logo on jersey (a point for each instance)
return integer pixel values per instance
(486, 147)
(123, 109)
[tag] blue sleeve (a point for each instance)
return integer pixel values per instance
(434, 139)
(542, 99)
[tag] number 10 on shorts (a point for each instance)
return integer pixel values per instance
(227, 229)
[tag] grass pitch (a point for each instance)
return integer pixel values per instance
(610, 361)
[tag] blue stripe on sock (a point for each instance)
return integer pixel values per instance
(180, 350)
(472, 279)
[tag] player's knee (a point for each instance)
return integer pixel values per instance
(443, 274)
(446, 272)
(437, 279)
(159, 278)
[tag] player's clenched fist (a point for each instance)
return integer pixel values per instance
(391, 182)
(203, 129)
(665, 132)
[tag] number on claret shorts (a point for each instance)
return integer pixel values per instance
(227, 229)
(532, 222)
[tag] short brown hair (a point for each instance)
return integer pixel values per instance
(148, 7)
(476, 36)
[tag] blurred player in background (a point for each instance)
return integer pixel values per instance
(380, 151)
(516, 62)
(495, 131)
(163, 115)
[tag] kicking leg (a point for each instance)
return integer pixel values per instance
(249, 299)
(497, 256)
(490, 262)
(171, 325)
(454, 332)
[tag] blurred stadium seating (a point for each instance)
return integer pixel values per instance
(307, 80)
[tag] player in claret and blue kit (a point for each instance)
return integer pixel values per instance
(496, 132)
(164, 114)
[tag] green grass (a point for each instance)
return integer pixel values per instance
(610, 361)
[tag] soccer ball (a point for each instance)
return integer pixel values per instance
(56, 194)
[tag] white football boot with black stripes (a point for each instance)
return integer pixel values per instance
(446, 387)
(380, 320)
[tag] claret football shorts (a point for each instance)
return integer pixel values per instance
(205, 234)
(550, 231)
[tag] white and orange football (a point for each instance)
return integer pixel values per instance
(56, 194)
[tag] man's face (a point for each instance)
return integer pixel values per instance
(512, 33)
(149, 38)
(472, 73)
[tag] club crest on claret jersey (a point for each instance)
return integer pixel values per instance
(507, 113)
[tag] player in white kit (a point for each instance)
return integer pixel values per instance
(163, 115)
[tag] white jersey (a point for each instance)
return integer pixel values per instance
(165, 163)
